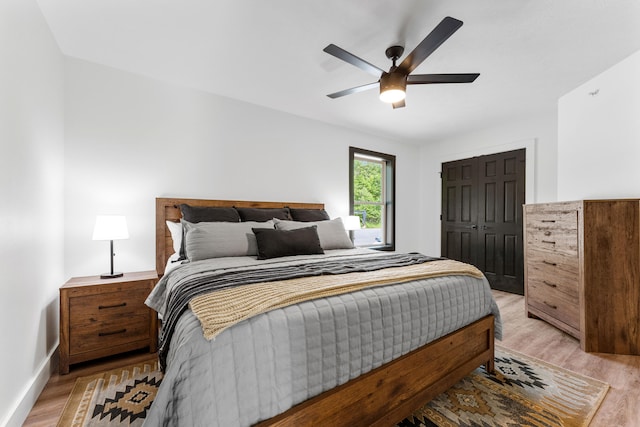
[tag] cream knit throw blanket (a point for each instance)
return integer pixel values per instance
(221, 309)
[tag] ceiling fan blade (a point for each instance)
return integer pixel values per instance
(340, 53)
(399, 104)
(440, 33)
(420, 79)
(353, 90)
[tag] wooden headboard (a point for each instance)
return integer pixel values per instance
(168, 209)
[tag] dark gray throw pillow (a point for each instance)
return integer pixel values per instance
(263, 214)
(279, 243)
(306, 215)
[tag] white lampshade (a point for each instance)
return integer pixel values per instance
(110, 227)
(351, 222)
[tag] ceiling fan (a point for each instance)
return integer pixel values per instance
(393, 83)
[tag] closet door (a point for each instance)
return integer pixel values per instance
(460, 210)
(482, 200)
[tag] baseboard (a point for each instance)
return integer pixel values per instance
(25, 401)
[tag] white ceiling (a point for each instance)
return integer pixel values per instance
(528, 53)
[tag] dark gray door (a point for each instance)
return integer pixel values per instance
(482, 200)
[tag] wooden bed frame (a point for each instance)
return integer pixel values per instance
(385, 395)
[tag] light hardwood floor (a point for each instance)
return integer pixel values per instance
(621, 407)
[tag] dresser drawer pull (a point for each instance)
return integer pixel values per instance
(547, 233)
(550, 263)
(102, 307)
(553, 285)
(119, 331)
(555, 307)
(548, 220)
(551, 242)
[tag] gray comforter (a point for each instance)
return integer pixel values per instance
(262, 366)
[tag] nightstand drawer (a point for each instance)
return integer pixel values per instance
(108, 333)
(89, 309)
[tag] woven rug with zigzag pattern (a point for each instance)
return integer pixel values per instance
(523, 391)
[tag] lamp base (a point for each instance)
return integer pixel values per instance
(111, 275)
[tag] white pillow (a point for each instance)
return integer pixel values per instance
(175, 228)
(331, 233)
(204, 240)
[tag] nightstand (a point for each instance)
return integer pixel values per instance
(102, 317)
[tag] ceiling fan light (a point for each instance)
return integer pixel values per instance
(391, 96)
(393, 87)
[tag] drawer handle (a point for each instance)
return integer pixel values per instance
(551, 242)
(102, 307)
(553, 285)
(550, 263)
(555, 307)
(548, 220)
(547, 233)
(119, 331)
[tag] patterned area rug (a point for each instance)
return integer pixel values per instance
(120, 397)
(522, 392)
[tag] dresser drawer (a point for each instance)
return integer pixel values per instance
(555, 269)
(555, 303)
(552, 240)
(90, 309)
(553, 230)
(558, 219)
(108, 333)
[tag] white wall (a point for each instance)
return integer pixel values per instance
(599, 135)
(130, 139)
(538, 135)
(31, 191)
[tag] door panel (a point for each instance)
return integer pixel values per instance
(482, 216)
(459, 211)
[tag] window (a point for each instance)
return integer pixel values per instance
(372, 198)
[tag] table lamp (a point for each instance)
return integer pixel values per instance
(351, 222)
(110, 227)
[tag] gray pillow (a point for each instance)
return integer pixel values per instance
(206, 240)
(331, 233)
(195, 214)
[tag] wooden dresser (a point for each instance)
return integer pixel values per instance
(101, 317)
(582, 271)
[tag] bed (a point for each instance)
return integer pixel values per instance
(363, 357)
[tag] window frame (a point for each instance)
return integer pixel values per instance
(388, 193)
